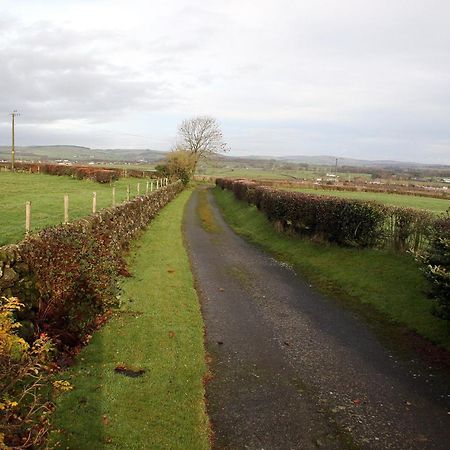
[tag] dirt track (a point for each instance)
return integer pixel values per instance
(292, 369)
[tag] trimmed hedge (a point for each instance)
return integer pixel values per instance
(400, 189)
(437, 268)
(99, 174)
(67, 275)
(343, 221)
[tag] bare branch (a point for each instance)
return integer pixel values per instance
(201, 136)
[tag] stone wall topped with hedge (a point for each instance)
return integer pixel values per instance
(67, 275)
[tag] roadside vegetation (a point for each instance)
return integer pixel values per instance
(138, 384)
(45, 192)
(374, 282)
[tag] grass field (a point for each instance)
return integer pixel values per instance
(46, 194)
(276, 174)
(158, 329)
(375, 283)
(436, 205)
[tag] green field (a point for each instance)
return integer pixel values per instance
(46, 194)
(436, 205)
(275, 174)
(159, 329)
(386, 288)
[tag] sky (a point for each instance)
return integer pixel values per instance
(362, 79)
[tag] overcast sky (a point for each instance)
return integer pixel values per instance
(365, 79)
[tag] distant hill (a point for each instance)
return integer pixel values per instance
(75, 153)
(324, 160)
(81, 154)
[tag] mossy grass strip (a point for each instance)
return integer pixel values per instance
(388, 289)
(158, 333)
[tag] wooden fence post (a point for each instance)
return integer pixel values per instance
(94, 202)
(157, 184)
(146, 188)
(151, 186)
(27, 217)
(114, 197)
(138, 189)
(128, 193)
(66, 208)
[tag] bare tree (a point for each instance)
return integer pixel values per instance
(201, 136)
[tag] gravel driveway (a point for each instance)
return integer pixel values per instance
(294, 370)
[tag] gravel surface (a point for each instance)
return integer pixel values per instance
(294, 370)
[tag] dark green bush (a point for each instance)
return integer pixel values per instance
(437, 268)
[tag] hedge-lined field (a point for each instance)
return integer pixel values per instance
(435, 205)
(343, 221)
(62, 283)
(45, 192)
(95, 173)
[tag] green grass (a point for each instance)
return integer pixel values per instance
(46, 194)
(381, 285)
(436, 205)
(159, 329)
(275, 174)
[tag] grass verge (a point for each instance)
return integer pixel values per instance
(159, 330)
(378, 284)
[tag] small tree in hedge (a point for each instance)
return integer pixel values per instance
(437, 269)
(180, 164)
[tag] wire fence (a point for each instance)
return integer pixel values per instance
(39, 209)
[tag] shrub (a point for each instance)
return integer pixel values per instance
(24, 370)
(437, 268)
(180, 164)
(76, 273)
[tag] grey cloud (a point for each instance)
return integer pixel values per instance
(55, 74)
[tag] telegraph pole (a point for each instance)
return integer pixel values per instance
(13, 150)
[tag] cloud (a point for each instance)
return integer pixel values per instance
(362, 78)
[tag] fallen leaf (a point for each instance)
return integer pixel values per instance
(357, 402)
(129, 371)
(105, 420)
(171, 334)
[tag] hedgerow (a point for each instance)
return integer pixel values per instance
(76, 266)
(68, 275)
(99, 174)
(437, 268)
(343, 221)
